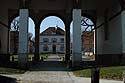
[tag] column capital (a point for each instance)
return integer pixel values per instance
(24, 4)
(37, 25)
(76, 4)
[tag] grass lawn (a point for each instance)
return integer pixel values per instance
(114, 73)
(4, 70)
(30, 57)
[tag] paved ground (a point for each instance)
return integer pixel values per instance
(51, 72)
(54, 77)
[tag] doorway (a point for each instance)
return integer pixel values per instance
(54, 49)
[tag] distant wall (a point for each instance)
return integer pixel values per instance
(50, 44)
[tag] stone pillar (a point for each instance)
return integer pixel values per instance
(123, 41)
(95, 75)
(36, 55)
(67, 42)
(23, 38)
(76, 45)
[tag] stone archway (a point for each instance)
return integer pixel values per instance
(14, 29)
(52, 28)
(86, 37)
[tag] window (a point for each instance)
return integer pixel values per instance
(54, 40)
(45, 48)
(62, 40)
(62, 47)
(53, 33)
(45, 40)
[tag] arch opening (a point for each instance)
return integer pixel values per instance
(14, 37)
(52, 34)
(87, 38)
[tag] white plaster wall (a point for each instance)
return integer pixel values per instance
(42, 51)
(58, 44)
(114, 44)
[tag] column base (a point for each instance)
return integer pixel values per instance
(4, 59)
(36, 57)
(76, 64)
(67, 57)
(23, 60)
(95, 74)
(76, 60)
(124, 74)
(123, 58)
(123, 63)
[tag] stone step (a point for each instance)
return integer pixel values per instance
(49, 65)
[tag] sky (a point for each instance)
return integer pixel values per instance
(51, 21)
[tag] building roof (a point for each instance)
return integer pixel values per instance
(52, 31)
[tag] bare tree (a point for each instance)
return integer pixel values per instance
(15, 25)
(87, 27)
(14, 29)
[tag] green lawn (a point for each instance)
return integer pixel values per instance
(4, 70)
(30, 57)
(114, 73)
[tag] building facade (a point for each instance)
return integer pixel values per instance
(14, 43)
(108, 17)
(88, 42)
(52, 40)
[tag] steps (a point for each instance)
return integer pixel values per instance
(48, 66)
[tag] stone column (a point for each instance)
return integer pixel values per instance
(95, 74)
(67, 42)
(76, 45)
(123, 41)
(23, 38)
(37, 31)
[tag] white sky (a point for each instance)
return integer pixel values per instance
(51, 21)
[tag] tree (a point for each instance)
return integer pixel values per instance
(87, 34)
(14, 29)
(15, 25)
